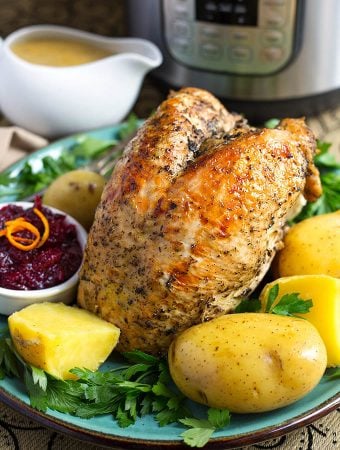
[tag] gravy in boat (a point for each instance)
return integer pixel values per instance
(58, 52)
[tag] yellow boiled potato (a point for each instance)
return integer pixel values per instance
(248, 362)
(57, 338)
(77, 193)
(311, 247)
(324, 291)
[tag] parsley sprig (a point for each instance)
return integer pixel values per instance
(201, 430)
(141, 385)
(288, 305)
(335, 374)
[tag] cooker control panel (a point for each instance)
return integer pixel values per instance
(253, 37)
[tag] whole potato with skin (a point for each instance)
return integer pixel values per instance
(311, 247)
(249, 362)
(77, 193)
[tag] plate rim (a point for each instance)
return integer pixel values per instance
(223, 442)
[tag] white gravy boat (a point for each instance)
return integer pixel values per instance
(55, 101)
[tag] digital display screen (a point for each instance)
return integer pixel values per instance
(228, 12)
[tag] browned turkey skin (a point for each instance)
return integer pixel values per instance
(191, 218)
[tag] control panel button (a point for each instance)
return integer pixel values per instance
(272, 54)
(181, 45)
(274, 20)
(181, 11)
(275, 2)
(240, 53)
(181, 28)
(240, 35)
(211, 32)
(210, 50)
(273, 37)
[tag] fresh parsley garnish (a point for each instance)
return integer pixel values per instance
(139, 386)
(272, 296)
(291, 304)
(271, 123)
(201, 430)
(248, 305)
(323, 158)
(8, 361)
(126, 392)
(288, 305)
(334, 375)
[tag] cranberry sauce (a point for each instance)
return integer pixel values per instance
(49, 265)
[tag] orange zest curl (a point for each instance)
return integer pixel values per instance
(46, 233)
(21, 224)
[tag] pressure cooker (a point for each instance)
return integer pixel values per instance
(266, 58)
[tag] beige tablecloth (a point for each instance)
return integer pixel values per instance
(18, 432)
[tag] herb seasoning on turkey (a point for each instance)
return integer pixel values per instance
(191, 218)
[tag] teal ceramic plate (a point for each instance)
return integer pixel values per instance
(244, 429)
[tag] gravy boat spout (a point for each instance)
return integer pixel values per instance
(143, 55)
(52, 100)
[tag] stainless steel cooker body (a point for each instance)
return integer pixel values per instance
(276, 53)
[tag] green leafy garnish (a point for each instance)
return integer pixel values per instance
(272, 123)
(201, 430)
(131, 125)
(334, 375)
(323, 158)
(288, 305)
(272, 295)
(126, 392)
(292, 304)
(8, 362)
(248, 305)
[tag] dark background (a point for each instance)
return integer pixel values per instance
(105, 17)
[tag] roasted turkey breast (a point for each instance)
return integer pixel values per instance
(191, 218)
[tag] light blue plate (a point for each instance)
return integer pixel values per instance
(244, 429)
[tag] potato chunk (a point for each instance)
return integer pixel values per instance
(311, 247)
(325, 313)
(77, 193)
(57, 338)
